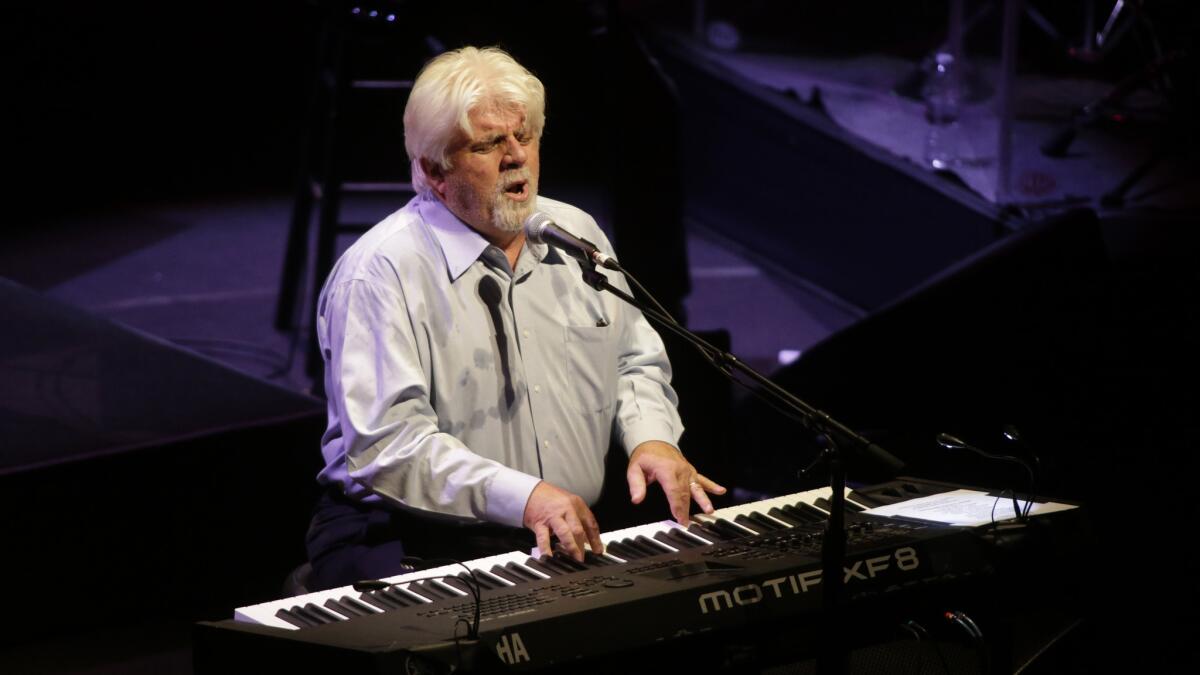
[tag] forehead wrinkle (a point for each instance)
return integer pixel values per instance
(494, 120)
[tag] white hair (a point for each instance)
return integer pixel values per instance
(452, 85)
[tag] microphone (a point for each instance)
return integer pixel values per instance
(954, 443)
(541, 229)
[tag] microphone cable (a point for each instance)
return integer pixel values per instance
(717, 360)
(414, 564)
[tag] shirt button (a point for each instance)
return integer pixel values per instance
(525, 333)
(537, 389)
(545, 444)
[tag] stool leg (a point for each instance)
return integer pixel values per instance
(293, 260)
(331, 197)
(294, 280)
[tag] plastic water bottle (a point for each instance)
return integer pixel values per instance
(942, 102)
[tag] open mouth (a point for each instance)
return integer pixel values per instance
(517, 190)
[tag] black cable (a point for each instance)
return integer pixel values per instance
(1021, 514)
(919, 659)
(637, 284)
(712, 358)
(937, 647)
(474, 586)
(965, 622)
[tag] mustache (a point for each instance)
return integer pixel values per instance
(512, 176)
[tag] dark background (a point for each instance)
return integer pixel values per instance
(117, 104)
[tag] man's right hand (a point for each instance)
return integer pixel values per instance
(552, 510)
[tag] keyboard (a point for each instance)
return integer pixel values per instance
(653, 582)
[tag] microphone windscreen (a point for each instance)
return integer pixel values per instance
(536, 224)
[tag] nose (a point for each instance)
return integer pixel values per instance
(514, 153)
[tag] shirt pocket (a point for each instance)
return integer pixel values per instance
(591, 367)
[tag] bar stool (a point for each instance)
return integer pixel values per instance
(364, 46)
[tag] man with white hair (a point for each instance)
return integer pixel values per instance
(474, 380)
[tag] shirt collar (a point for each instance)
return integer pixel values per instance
(461, 245)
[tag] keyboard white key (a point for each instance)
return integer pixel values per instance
(763, 506)
(265, 613)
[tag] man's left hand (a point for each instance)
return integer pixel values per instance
(656, 461)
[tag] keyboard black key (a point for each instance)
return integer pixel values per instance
(672, 538)
(778, 514)
(404, 598)
(873, 500)
(625, 552)
(551, 561)
(828, 505)
(593, 560)
(470, 580)
(355, 605)
(568, 561)
(379, 601)
(653, 545)
(538, 565)
(314, 612)
(641, 548)
(421, 592)
(727, 528)
(690, 536)
(457, 583)
(765, 521)
(431, 590)
(804, 512)
(706, 532)
(337, 607)
(295, 619)
(521, 571)
(744, 521)
(489, 580)
(506, 574)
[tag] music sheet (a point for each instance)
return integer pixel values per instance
(967, 508)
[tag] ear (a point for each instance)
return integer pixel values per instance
(435, 176)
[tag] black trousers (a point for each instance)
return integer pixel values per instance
(349, 541)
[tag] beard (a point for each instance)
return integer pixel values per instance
(509, 215)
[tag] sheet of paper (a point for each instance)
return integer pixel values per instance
(964, 507)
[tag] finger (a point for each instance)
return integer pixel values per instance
(700, 487)
(592, 528)
(566, 538)
(709, 485)
(680, 499)
(700, 497)
(578, 534)
(542, 533)
(637, 483)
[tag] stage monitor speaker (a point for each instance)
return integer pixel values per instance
(1011, 335)
(140, 482)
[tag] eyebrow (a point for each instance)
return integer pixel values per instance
(496, 138)
(490, 140)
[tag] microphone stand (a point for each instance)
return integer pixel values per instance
(829, 433)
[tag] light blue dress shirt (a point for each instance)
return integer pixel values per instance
(455, 384)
